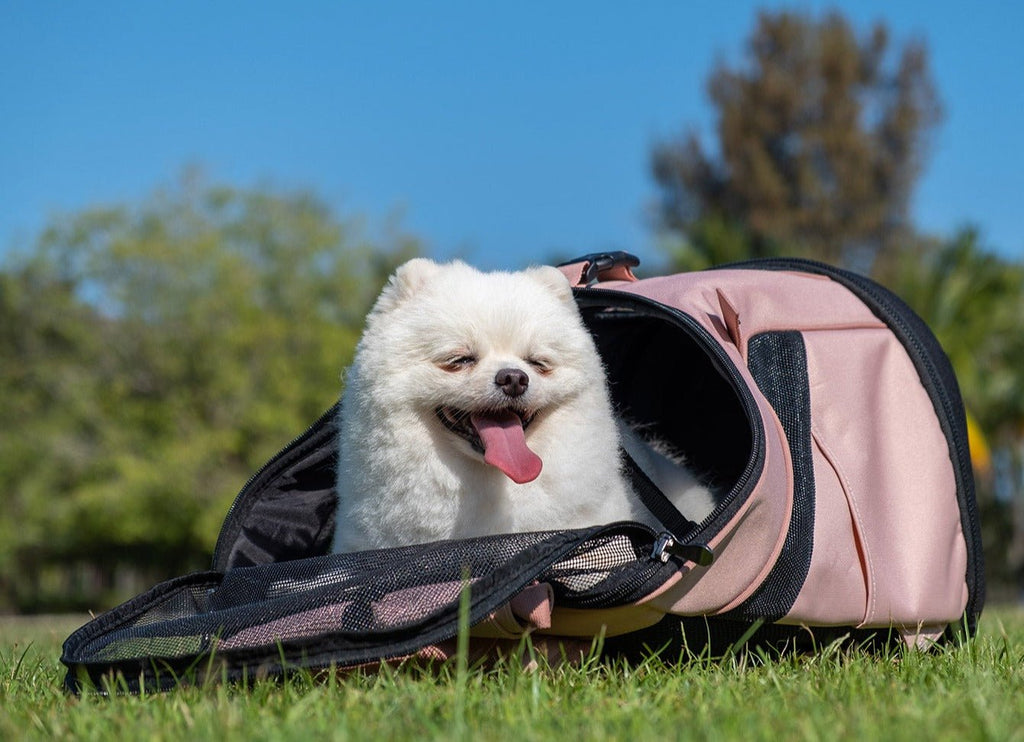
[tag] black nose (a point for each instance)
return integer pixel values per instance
(512, 381)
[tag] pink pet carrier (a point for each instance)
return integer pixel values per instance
(813, 398)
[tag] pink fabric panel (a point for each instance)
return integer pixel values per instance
(529, 610)
(739, 300)
(836, 589)
(888, 544)
(781, 304)
(534, 605)
(879, 445)
(758, 530)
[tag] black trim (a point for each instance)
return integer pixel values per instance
(778, 363)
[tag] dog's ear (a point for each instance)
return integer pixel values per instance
(553, 280)
(405, 282)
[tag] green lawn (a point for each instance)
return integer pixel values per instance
(969, 692)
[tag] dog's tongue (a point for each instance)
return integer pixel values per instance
(505, 445)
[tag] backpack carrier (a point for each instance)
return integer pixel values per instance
(813, 396)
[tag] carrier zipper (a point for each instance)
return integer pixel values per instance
(665, 545)
(731, 503)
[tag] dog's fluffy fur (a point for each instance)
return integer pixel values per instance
(465, 383)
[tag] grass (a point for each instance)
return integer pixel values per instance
(974, 691)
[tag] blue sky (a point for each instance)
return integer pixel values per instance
(505, 132)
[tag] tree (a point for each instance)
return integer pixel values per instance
(152, 357)
(821, 138)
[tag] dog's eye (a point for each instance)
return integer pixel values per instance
(543, 365)
(458, 362)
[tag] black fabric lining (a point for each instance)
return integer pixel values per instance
(675, 383)
(286, 511)
(778, 363)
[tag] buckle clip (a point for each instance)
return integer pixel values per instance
(600, 262)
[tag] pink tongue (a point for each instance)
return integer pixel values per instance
(505, 445)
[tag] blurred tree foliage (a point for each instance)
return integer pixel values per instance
(152, 358)
(821, 136)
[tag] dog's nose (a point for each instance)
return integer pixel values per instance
(512, 381)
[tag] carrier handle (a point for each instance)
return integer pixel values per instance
(595, 267)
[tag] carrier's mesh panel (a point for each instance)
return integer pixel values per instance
(778, 363)
(607, 571)
(347, 609)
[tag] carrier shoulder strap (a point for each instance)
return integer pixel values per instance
(681, 531)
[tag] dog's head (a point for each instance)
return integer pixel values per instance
(487, 356)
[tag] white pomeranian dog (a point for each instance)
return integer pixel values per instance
(477, 404)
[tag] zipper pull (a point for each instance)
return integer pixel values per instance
(666, 545)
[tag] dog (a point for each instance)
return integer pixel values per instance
(477, 404)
